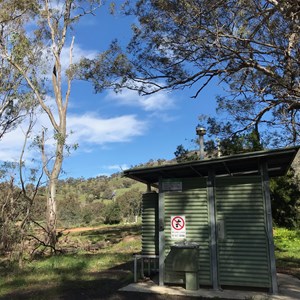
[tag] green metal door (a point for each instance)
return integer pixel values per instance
(241, 231)
(191, 203)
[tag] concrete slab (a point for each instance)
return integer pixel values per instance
(289, 289)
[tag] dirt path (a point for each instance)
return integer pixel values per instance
(81, 229)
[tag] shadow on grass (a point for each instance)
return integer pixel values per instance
(289, 265)
(288, 262)
(292, 261)
(98, 285)
(111, 233)
(99, 238)
(103, 285)
(117, 230)
(70, 276)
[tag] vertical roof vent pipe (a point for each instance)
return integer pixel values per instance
(201, 131)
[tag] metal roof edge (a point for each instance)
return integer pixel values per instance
(255, 154)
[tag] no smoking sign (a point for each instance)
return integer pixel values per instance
(178, 227)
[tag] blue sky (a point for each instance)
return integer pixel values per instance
(117, 131)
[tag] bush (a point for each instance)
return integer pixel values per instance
(285, 196)
(108, 193)
(112, 214)
(69, 210)
(93, 213)
(13, 209)
(130, 203)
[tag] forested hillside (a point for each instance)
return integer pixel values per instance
(94, 201)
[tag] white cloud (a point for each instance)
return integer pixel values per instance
(77, 54)
(11, 145)
(91, 129)
(120, 167)
(13, 141)
(88, 130)
(153, 103)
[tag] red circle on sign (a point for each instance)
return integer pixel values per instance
(178, 223)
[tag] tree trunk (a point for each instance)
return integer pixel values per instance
(51, 200)
(51, 213)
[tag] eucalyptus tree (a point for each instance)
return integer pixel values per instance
(32, 41)
(14, 102)
(15, 99)
(250, 46)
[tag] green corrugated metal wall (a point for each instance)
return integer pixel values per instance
(243, 250)
(192, 203)
(150, 224)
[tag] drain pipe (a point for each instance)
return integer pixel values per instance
(201, 132)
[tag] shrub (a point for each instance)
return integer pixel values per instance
(112, 214)
(285, 196)
(93, 213)
(69, 210)
(130, 203)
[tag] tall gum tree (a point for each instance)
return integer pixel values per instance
(35, 33)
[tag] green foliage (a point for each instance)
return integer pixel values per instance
(182, 154)
(108, 193)
(130, 203)
(112, 214)
(72, 273)
(13, 208)
(80, 203)
(251, 47)
(16, 204)
(285, 196)
(127, 182)
(16, 100)
(89, 198)
(287, 240)
(39, 207)
(230, 142)
(93, 213)
(32, 50)
(69, 210)
(223, 140)
(106, 70)
(287, 250)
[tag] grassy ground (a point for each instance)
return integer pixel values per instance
(287, 251)
(99, 265)
(84, 274)
(99, 262)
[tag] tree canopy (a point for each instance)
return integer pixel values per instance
(250, 46)
(15, 98)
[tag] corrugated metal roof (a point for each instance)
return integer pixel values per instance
(279, 161)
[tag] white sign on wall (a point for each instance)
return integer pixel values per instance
(178, 227)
